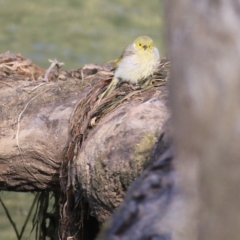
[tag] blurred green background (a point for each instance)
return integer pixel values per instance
(76, 33)
(18, 205)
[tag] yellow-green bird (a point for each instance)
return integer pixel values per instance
(138, 61)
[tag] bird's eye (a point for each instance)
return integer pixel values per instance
(140, 44)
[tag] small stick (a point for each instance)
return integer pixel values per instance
(53, 64)
(20, 116)
(10, 219)
(36, 87)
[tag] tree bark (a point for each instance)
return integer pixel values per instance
(34, 131)
(118, 150)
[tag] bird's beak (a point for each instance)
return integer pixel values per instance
(145, 47)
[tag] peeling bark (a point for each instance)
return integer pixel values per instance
(34, 131)
(118, 150)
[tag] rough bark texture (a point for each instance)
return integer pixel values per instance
(118, 150)
(151, 205)
(34, 131)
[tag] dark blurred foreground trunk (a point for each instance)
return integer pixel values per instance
(204, 43)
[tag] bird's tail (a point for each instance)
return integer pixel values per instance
(113, 84)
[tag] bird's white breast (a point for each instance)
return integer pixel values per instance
(135, 67)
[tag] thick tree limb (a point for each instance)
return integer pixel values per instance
(118, 150)
(34, 131)
(117, 141)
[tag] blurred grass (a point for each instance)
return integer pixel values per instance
(77, 33)
(18, 205)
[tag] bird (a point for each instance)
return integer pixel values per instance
(138, 61)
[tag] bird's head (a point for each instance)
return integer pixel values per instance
(144, 43)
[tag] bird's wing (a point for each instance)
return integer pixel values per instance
(127, 51)
(156, 52)
(110, 88)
